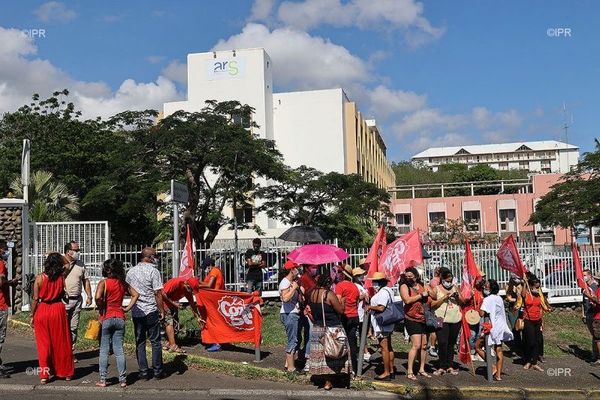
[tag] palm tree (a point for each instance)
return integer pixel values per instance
(49, 201)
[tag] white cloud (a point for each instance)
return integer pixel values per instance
(300, 60)
(54, 11)
(155, 59)
(428, 120)
(485, 119)
(385, 101)
(176, 72)
(261, 10)
(22, 75)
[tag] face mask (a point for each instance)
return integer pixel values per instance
(486, 292)
(376, 286)
(6, 255)
(447, 285)
(360, 279)
(410, 282)
(534, 291)
(75, 256)
(586, 278)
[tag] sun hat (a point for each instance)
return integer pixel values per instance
(358, 271)
(378, 276)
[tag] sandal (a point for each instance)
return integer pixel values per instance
(537, 368)
(439, 372)
(452, 371)
(101, 383)
(412, 377)
(43, 381)
(328, 386)
(123, 384)
(176, 349)
(425, 374)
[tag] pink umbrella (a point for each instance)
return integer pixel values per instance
(316, 254)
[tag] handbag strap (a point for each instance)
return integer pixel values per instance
(323, 308)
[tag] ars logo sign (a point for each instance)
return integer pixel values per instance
(394, 258)
(236, 313)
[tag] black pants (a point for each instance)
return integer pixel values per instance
(351, 326)
(446, 338)
(148, 327)
(532, 341)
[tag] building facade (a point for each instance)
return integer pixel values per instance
(321, 129)
(540, 157)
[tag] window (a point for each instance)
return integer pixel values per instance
(244, 215)
(472, 220)
(524, 165)
(437, 221)
(403, 222)
(503, 166)
(508, 219)
(241, 120)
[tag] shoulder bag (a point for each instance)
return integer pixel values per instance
(334, 341)
(392, 314)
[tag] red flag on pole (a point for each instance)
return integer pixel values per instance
(470, 273)
(186, 268)
(464, 350)
(577, 265)
(509, 258)
(402, 253)
(377, 249)
(231, 317)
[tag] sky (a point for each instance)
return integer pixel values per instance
(432, 73)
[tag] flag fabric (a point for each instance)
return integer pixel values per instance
(509, 258)
(577, 265)
(231, 317)
(470, 273)
(377, 249)
(402, 253)
(186, 266)
(464, 350)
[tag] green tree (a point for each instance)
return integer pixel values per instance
(574, 200)
(49, 200)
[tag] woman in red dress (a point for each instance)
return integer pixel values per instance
(49, 321)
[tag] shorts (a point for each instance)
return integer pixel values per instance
(596, 329)
(171, 317)
(415, 328)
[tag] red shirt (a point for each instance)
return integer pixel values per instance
(218, 275)
(307, 282)
(5, 292)
(532, 308)
(474, 303)
(597, 308)
(350, 294)
(114, 291)
(174, 289)
(415, 311)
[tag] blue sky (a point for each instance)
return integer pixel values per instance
(432, 73)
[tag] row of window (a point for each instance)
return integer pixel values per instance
(472, 218)
(545, 156)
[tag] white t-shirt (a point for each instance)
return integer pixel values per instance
(494, 306)
(384, 297)
(361, 303)
(288, 306)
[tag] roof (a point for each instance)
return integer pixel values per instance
(494, 148)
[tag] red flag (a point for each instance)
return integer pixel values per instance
(509, 258)
(402, 253)
(377, 249)
(577, 265)
(470, 273)
(186, 268)
(231, 317)
(464, 351)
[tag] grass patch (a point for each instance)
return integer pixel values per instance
(563, 329)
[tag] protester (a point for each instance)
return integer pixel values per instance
(49, 321)
(214, 276)
(384, 297)
(534, 305)
(290, 294)
(493, 307)
(307, 282)
(474, 303)
(588, 311)
(348, 294)
(147, 312)
(109, 300)
(514, 302)
(174, 290)
(75, 282)
(447, 306)
(5, 285)
(415, 296)
(256, 260)
(433, 282)
(359, 280)
(325, 309)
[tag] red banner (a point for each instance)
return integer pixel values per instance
(464, 351)
(470, 273)
(402, 253)
(231, 317)
(377, 249)
(509, 258)
(186, 269)
(577, 265)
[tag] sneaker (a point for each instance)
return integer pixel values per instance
(433, 352)
(476, 357)
(367, 357)
(213, 348)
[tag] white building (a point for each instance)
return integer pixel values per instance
(547, 156)
(319, 128)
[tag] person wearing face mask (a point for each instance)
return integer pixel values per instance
(290, 293)
(5, 285)
(348, 294)
(588, 309)
(514, 303)
(534, 305)
(308, 280)
(415, 296)
(358, 275)
(447, 306)
(75, 282)
(384, 297)
(493, 307)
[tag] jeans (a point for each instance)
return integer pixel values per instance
(351, 326)
(446, 338)
(113, 330)
(532, 341)
(290, 321)
(254, 285)
(305, 327)
(474, 333)
(73, 308)
(148, 327)
(3, 325)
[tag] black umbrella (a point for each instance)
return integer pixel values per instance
(305, 234)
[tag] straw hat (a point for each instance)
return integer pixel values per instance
(358, 271)
(378, 276)
(362, 261)
(347, 270)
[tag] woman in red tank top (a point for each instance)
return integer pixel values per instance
(534, 305)
(49, 321)
(109, 299)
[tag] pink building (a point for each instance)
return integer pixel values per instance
(495, 214)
